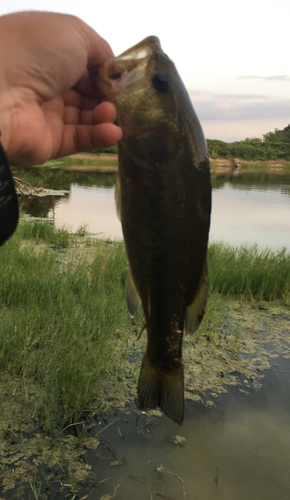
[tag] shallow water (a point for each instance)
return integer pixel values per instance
(238, 449)
(248, 208)
(235, 450)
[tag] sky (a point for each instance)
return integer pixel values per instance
(233, 57)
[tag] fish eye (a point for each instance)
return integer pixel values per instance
(161, 82)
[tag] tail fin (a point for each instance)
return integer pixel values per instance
(163, 388)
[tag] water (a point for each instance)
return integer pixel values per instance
(250, 214)
(250, 208)
(239, 448)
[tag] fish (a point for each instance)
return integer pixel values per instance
(163, 199)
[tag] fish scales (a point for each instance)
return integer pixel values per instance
(163, 198)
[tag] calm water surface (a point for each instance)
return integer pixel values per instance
(249, 208)
(239, 450)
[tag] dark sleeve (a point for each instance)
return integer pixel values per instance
(9, 211)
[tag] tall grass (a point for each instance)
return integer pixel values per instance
(59, 315)
(63, 320)
(249, 272)
(43, 230)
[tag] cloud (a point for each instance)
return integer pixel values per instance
(240, 96)
(280, 78)
(197, 94)
(226, 110)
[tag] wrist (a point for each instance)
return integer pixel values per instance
(5, 122)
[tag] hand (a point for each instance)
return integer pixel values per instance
(48, 105)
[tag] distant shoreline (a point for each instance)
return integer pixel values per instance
(108, 163)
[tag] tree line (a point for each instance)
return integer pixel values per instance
(274, 145)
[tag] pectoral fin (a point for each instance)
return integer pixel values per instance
(118, 198)
(132, 298)
(195, 311)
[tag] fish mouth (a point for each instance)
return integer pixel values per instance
(142, 50)
(123, 71)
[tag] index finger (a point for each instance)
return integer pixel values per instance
(86, 87)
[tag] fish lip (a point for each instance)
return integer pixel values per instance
(149, 45)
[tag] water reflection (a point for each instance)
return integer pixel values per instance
(247, 208)
(255, 215)
(238, 449)
(93, 207)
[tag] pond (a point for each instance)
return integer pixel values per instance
(234, 446)
(246, 208)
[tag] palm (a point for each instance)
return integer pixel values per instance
(51, 108)
(60, 127)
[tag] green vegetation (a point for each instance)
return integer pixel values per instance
(275, 145)
(217, 149)
(249, 149)
(63, 317)
(71, 161)
(112, 150)
(278, 135)
(43, 230)
(68, 348)
(64, 324)
(248, 272)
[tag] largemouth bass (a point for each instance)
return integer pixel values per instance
(163, 198)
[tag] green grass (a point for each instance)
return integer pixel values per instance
(64, 323)
(70, 161)
(59, 314)
(43, 231)
(249, 272)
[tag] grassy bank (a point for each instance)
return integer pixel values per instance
(69, 351)
(64, 324)
(92, 160)
(61, 314)
(108, 162)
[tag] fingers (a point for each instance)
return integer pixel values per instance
(103, 113)
(86, 87)
(78, 138)
(74, 130)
